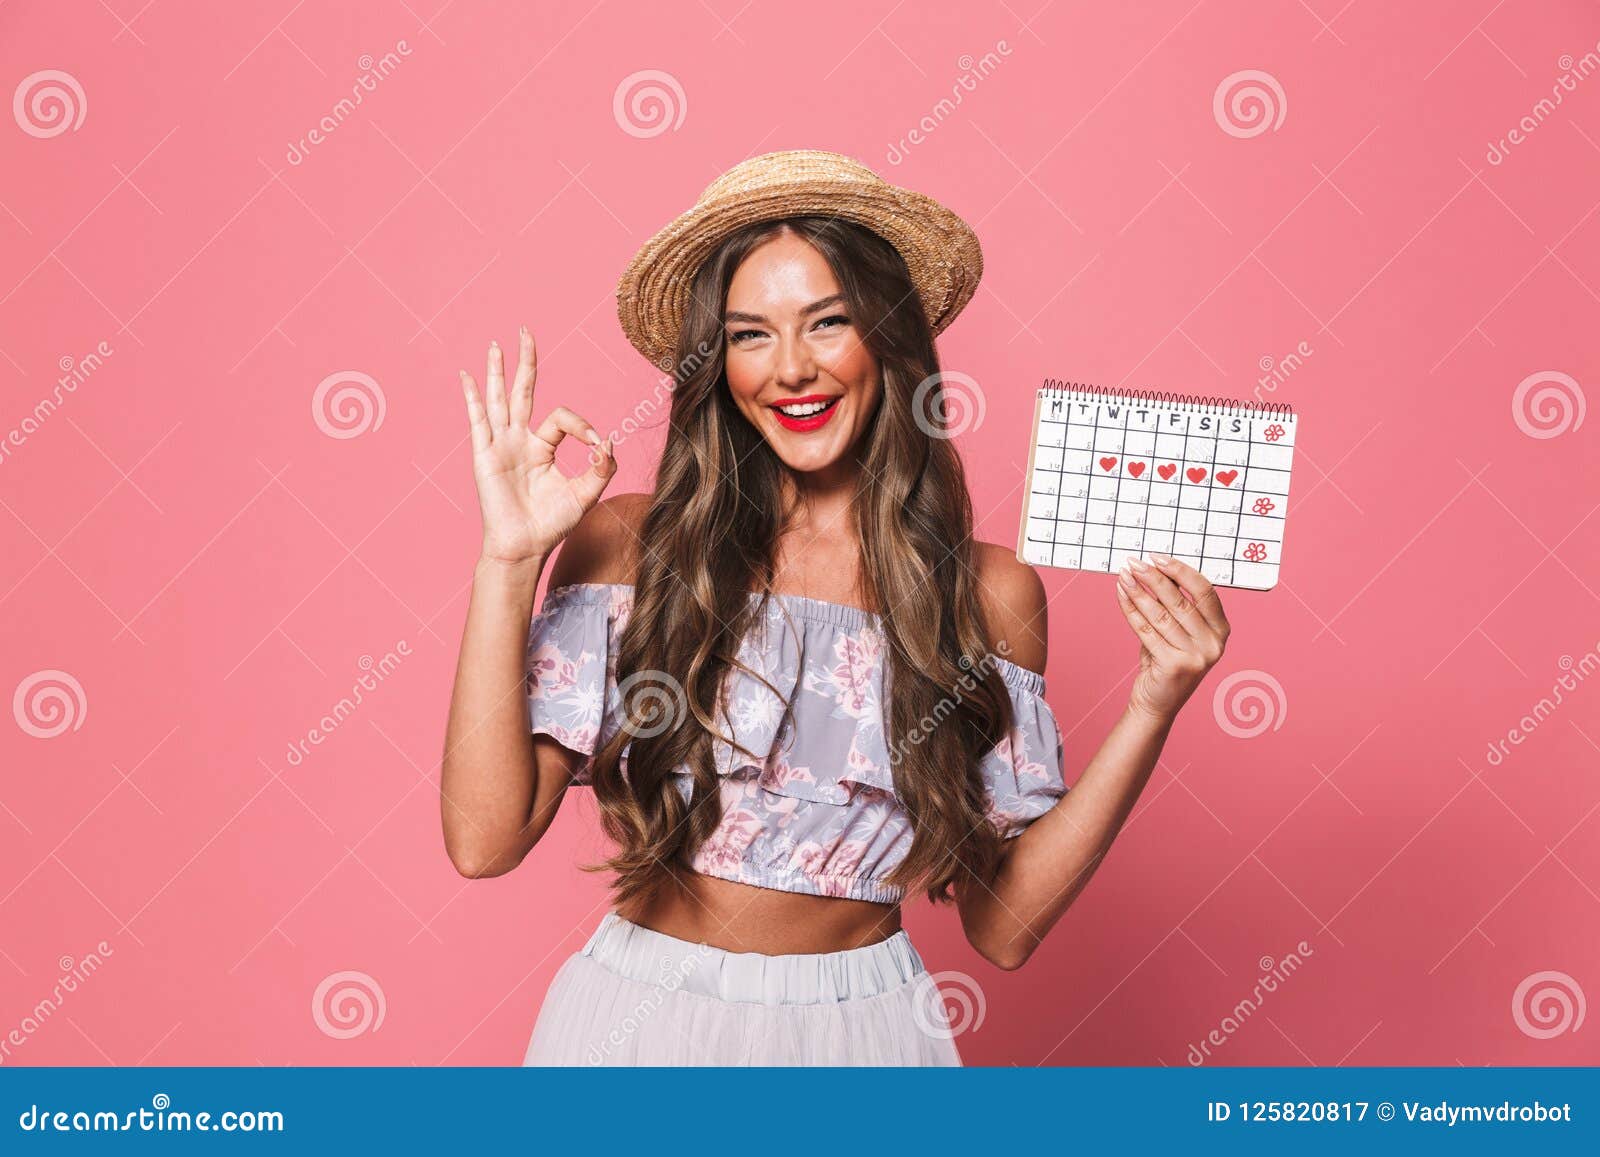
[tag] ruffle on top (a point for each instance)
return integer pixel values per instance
(814, 809)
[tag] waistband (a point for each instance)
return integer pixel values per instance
(652, 957)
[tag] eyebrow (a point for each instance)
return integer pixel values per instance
(823, 303)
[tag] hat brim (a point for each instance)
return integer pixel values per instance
(940, 250)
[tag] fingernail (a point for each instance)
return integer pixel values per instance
(594, 439)
(1161, 558)
(1125, 576)
(494, 345)
(1138, 564)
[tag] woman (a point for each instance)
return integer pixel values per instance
(797, 687)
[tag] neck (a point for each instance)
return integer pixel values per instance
(822, 500)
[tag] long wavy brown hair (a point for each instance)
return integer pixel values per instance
(708, 540)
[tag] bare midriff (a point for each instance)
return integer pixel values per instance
(744, 918)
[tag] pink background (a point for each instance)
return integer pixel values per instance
(183, 538)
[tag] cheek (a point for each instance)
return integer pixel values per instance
(744, 376)
(855, 365)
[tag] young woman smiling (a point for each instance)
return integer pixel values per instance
(796, 685)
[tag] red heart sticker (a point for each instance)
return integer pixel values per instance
(1226, 477)
(1107, 463)
(1136, 468)
(1195, 473)
(1167, 471)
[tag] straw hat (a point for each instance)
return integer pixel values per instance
(939, 248)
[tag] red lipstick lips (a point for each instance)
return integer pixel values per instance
(810, 421)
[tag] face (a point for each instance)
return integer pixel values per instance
(791, 342)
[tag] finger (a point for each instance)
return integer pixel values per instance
(522, 385)
(476, 418)
(495, 401)
(1197, 587)
(560, 422)
(1155, 614)
(1148, 635)
(1170, 596)
(589, 485)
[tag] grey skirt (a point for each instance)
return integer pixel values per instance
(634, 996)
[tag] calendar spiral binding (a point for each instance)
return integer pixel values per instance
(1056, 388)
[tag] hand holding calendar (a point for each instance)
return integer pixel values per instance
(1114, 475)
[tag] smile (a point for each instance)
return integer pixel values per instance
(807, 413)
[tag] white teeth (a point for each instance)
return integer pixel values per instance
(806, 410)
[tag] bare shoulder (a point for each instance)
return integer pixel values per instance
(1015, 605)
(603, 546)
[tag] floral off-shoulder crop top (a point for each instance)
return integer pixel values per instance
(819, 813)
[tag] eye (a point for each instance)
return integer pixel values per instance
(739, 335)
(829, 321)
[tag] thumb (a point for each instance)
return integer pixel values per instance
(589, 485)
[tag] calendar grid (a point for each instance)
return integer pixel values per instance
(1114, 519)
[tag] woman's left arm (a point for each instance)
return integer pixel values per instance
(1178, 618)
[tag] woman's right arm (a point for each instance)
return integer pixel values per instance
(498, 788)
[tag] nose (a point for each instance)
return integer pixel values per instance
(795, 365)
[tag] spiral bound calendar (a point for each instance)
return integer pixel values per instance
(1116, 474)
